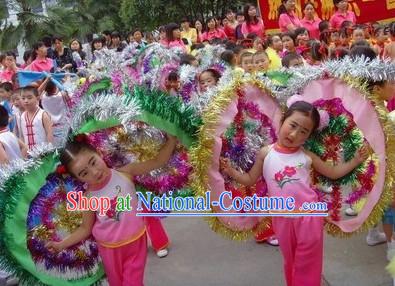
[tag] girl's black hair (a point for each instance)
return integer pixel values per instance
(323, 25)
(59, 38)
(269, 39)
(50, 88)
(4, 117)
(173, 76)
(319, 51)
(10, 54)
(247, 17)
(335, 2)
(392, 29)
(186, 59)
(366, 51)
(339, 53)
(308, 3)
(36, 46)
(281, 8)
(26, 55)
(169, 31)
(97, 40)
(75, 40)
(7, 86)
(72, 149)
(305, 108)
(227, 56)
(289, 34)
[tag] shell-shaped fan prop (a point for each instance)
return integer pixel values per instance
(355, 118)
(240, 120)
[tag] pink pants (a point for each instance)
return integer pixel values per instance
(156, 233)
(301, 243)
(124, 266)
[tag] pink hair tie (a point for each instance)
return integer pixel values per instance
(294, 98)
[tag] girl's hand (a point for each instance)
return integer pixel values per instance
(54, 246)
(225, 166)
(363, 154)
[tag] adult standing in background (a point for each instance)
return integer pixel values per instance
(230, 27)
(288, 20)
(62, 55)
(311, 21)
(187, 32)
(212, 31)
(342, 14)
(252, 23)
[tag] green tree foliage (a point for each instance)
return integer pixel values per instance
(78, 18)
(153, 13)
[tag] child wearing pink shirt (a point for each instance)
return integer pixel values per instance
(40, 61)
(121, 235)
(286, 167)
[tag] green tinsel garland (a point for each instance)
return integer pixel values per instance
(350, 142)
(103, 84)
(183, 118)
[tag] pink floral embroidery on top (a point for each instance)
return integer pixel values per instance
(285, 176)
(113, 212)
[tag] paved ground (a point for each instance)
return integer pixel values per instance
(199, 257)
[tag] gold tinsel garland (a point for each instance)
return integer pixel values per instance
(389, 133)
(201, 154)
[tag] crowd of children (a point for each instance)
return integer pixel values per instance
(35, 114)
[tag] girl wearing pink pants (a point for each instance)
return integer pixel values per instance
(286, 167)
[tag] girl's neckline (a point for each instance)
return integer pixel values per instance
(97, 187)
(285, 150)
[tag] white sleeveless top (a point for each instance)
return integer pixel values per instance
(55, 106)
(33, 129)
(10, 144)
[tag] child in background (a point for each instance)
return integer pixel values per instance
(358, 34)
(261, 61)
(302, 37)
(10, 67)
(173, 83)
(36, 124)
(389, 48)
(5, 100)
(325, 31)
(292, 60)
(188, 59)
(258, 45)
(300, 239)
(317, 53)
(121, 238)
(17, 110)
(273, 50)
(208, 78)
(380, 40)
(11, 148)
(344, 39)
(247, 61)
(385, 91)
(55, 103)
(289, 43)
(338, 53)
(229, 58)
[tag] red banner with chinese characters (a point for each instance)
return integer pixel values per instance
(365, 10)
